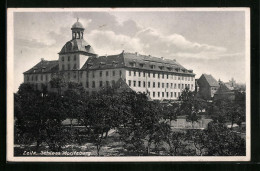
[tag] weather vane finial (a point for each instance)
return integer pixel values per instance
(77, 19)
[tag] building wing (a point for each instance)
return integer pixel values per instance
(44, 67)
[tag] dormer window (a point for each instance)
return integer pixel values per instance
(133, 64)
(153, 66)
(161, 67)
(43, 69)
(141, 65)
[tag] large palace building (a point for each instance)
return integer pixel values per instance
(158, 77)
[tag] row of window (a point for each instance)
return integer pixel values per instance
(166, 94)
(159, 85)
(167, 76)
(74, 67)
(68, 59)
(101, 84)
(36, 78)
(106, 73)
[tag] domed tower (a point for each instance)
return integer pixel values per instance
(75, 53)
(77, 30)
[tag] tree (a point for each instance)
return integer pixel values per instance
(170, 111)
(58, 82)
(191, 105)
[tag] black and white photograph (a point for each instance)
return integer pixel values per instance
(128, 84)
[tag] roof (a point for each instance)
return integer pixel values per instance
(77, 45)
(44, 67)
(223, 89)
(77, 25)
(134, 60)
(211, 80)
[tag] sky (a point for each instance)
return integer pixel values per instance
(211, 42)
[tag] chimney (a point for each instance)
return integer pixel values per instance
(42, 59)
(123, 51)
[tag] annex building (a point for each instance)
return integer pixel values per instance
(160, 78)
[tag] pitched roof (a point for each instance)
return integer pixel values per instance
(223, 89)
(44, 67)
(210, 79)
(77, 45)
(134, 60)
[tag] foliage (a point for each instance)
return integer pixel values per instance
(191, 105)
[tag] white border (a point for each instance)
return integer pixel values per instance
(10, 77)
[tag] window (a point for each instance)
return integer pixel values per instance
(27, 78)
(36, 78)
(153, 84)
(153, 75)
(175, 86)
(129, 82)
(143, 74)
(191, 78)
(162, 75)
(153, 94)
(87, 84)
(62, 58)
(167, 76)
(182, 86)
(107, 74)
(68, 58)
(100, 83)
(68, 66)
(93, 74)
(129, 73)
(120, 73)
(93, 84)
(113, 83)
(171, 94)
(107, 83)
(167, 85)
(41, 77)
(46, 78)
(75, 58)
(149, 84)
(139, 83)
(167, 94)
(185, 85)
(75, 75)
(158, 94)
(179, 94)
(179, 86)
(134, 83)
(140, 74)
(188, 78)
(114, 73)
(158, 84)
(162, 85)
(100, 73)
(158, 75)
(175, 94)
(179, 78)
(149, 74)
(68, 75)
(144, 84)
(74, 67)
(191, 86)
(134, 73)
(171, 85)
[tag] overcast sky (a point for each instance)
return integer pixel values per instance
(207, 42)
